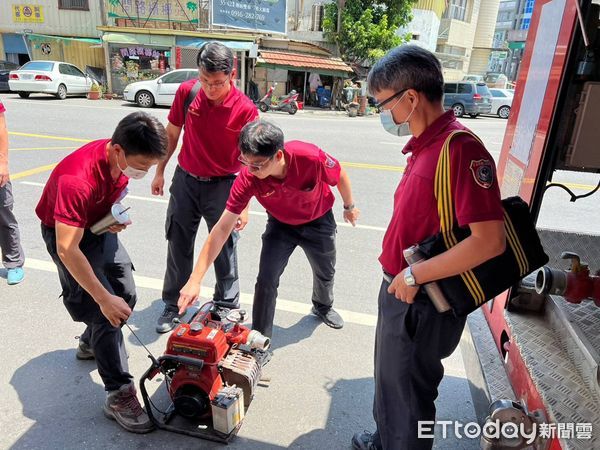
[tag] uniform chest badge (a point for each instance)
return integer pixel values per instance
(483, 172)
(329, 162)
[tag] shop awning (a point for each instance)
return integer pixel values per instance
(304, 62)
(42, 37)
(199, 42)
(139, 39)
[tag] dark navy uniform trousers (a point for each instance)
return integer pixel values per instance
(112, 266)
(317, 239)
(410, 342)
(193, 199)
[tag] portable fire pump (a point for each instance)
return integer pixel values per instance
(211, 369)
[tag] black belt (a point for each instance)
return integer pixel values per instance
(216, 179)
(388, 277)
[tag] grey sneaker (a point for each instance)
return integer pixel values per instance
(84, 352)
(165, 322)
(123, 406)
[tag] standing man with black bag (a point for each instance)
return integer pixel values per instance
(412, 337)
(207, 167)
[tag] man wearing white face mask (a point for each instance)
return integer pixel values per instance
(95, 271)
(411, 336)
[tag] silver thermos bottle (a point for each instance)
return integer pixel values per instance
(413, 255)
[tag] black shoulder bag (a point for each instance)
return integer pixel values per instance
(524, 252)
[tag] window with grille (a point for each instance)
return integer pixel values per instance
(316, 19)
(81, 5)
(457, 9)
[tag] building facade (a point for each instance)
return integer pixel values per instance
(424, 27)
(512, 25)
(64, 30)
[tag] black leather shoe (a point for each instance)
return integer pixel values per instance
(165, 322)
(330, 317)
(363, 441)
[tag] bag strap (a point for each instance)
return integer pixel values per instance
(445, 206)
(190, 98)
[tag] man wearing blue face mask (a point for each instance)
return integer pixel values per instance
(412, 337)
(95, 271)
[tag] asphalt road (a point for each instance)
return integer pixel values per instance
(321, 379)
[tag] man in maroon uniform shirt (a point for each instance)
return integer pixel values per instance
(207, 166)
(95, 271)
(292, 182)
(412, 337)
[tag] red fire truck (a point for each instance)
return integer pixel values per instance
(535, 356)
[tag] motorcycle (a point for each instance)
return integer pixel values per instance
(286, 103)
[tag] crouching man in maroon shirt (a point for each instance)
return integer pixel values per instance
(292, 182)
(95, 271)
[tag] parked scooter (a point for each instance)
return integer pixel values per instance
(287, 103)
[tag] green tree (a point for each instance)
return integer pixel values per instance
(367, 29)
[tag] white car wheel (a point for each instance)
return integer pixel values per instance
(503, 112)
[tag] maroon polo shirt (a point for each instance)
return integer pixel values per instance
(475, 191)
(301, 197)
(80, 190)
(210, 138)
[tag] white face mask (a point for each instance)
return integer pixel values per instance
(131, 172)
(390, 125)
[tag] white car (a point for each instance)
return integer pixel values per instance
(501, 101)
(49, 77)
(160, 91)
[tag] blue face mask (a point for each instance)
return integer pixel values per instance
(390, 125)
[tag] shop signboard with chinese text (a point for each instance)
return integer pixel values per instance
(28, 13)
(153, 10)
(261, 15)
(131, 63)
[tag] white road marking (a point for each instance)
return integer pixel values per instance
(254, 213)
(302, 308)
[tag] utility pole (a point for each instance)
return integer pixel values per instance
(341, 4)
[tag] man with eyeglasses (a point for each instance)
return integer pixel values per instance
(411, 337)
(292, 182)
(206, 169)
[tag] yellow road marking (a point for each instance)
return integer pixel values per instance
(372, 166)
(26, 173)
(45, 136)
(21, 149)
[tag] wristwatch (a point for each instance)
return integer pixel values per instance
(349, 207)
(409, 278)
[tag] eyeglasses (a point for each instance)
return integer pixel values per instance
(217, 85)
(390, 98)
(256, 166)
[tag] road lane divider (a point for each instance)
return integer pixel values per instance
(34, 171)
(47, 136)
(254, 213)
(302, 308)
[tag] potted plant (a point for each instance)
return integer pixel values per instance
(95, 91)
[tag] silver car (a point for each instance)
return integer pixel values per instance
(49, 77)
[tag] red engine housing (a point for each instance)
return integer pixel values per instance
(208, 339)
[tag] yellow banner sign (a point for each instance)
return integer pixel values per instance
(28, 13)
